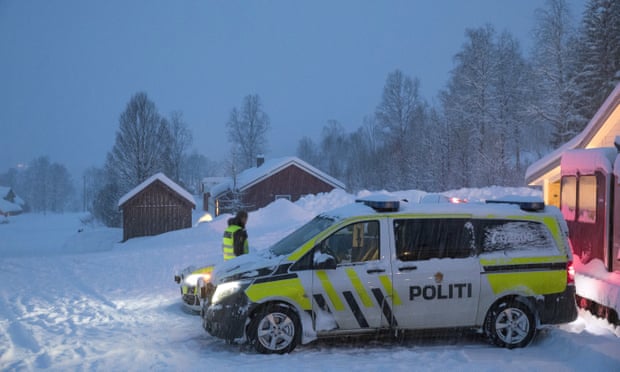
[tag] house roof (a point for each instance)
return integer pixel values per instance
(157, 177)
(8, 207)
(600, 132)
(4, 191)
(254, 175)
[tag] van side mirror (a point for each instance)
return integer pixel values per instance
(323, 261)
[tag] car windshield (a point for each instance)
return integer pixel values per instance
(300, 236)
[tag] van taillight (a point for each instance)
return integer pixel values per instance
(570, 273)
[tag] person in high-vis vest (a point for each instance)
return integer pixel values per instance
(235, 241)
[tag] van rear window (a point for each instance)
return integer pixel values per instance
(514, 238)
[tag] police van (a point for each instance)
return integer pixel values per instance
(504, 269)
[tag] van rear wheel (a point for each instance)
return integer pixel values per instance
(510, 324)
(274, 329)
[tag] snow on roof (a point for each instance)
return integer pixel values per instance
(588, 161)
(251, 176)
(8, 207)
(476, 209)
(157, 177)
(552, 160)
(19, 200)
(4, 191)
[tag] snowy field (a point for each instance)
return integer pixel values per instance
(73, 298)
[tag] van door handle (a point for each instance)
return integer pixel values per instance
(407, 268)
(374, 271)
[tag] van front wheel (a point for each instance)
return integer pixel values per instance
(510, 324)
(274, 329)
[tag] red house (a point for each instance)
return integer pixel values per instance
(289, 178)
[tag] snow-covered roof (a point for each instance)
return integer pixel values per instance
(209, 182)
(4, 191)
(8, 207)
(608, 115)
(252, 176)
(165, 180)
(588, 161)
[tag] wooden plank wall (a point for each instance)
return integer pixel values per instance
(155, 210)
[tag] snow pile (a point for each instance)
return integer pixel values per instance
(72, 297)
(595, 282)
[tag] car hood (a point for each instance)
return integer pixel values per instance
(247, 266)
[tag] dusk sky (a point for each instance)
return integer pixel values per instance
(68, 68)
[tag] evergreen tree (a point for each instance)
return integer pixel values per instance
(467, 106)
(598, 57)
(554, 69)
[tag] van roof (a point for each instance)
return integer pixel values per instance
(476, 209)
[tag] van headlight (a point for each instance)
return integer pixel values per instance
(228, 289)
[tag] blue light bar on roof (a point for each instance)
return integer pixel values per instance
(381, 204)
(525, 203)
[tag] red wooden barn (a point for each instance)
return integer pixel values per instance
(289, 178)
(156, 206)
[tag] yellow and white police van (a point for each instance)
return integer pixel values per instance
(504, 269)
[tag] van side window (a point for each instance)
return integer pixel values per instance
(423, 239)
(512, 238)
(358, 242)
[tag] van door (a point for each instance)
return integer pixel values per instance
(436, 272)
(354, 291)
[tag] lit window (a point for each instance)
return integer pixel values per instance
(587, 199)
(569, 197)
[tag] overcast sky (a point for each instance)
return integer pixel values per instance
(68, 68)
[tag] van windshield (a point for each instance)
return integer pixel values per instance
(298, 237)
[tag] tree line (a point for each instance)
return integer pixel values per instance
(498, 112)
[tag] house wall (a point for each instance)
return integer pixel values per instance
(291, 180)
(155, 210)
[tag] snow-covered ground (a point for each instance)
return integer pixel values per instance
(73, 298)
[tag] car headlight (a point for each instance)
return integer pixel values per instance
(228, 289)
(192, 280)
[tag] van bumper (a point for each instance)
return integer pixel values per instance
(227, 319)
(558, 308)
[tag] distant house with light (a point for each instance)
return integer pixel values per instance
(601, 131)
(288, 178)
(156, 206)
(206, 185)
(10, 203)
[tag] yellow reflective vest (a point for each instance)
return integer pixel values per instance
(228, 242)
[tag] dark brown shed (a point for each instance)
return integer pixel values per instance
(156, 206)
